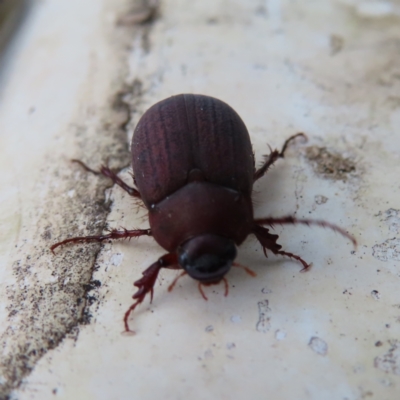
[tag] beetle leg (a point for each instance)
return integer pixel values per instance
(247, 269)
(269, 241)
(172, 285)
(200, 286)
(292, 220)
(104, 170)
(114, 234)
(273, 156)
(226, 286)
(146, 283)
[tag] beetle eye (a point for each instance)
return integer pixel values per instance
(207, 258)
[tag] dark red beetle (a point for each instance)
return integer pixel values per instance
(194, 169)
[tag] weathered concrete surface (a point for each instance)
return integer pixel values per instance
(328, 68)
(61, 98)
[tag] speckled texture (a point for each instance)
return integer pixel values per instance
(327, 68)
(45, 197)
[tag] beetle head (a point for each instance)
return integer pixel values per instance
(207, 258)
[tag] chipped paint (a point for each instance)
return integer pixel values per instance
(390, 361)
(263, 324)
(330, 164)
(318, 345)
(392, 219)
(388, 250)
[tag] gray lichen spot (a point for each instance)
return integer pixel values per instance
(390, 361)
(318, 345)
(330, 165)
(388, 250)
(263, 324)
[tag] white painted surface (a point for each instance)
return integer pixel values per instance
(329, 69)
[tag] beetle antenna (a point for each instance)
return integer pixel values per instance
(293, 221)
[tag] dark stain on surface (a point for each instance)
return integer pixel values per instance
(390, 361)
(329, 164)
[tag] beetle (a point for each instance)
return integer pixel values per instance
(194, 170)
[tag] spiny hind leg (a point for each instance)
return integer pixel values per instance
(107, 172)
(268, 241)
(273, 156)
(146, 284)
(113, 235)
